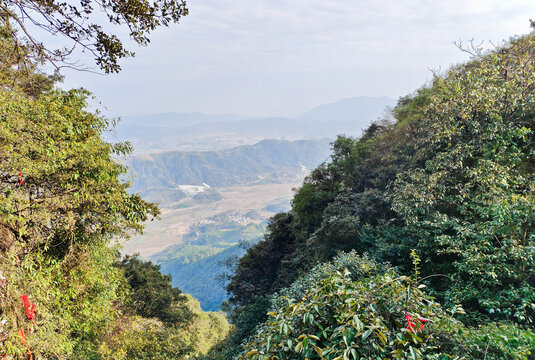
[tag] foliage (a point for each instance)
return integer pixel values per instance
(61, 202)
(69, 189)
(262, 262)
(354, 308)
(141, 338)
(145, 339)
(79, 25)
(152, 295)
(57, 220)
(210, 327)
(471, 205)
(19, 66)
(449, 173)
(495, 341)
(72, 296)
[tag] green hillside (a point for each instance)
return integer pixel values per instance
(266, 161)
(435, 205)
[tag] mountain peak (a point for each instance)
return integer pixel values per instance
(350, 109)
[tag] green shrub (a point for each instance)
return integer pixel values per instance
(354, 308)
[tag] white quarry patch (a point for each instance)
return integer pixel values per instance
(193, 189)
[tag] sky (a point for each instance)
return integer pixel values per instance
(282, 58)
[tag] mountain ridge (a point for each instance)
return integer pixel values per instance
(268, 160)
(194, 131)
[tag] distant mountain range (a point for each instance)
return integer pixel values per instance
(198, 131)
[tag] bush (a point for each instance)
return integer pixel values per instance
(354, 308)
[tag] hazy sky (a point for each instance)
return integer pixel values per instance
(273, 57)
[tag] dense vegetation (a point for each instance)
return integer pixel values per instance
(450, 176)
(355, 308)
(415, 240)
(64, 293)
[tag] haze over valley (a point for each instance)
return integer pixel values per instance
(219, 178)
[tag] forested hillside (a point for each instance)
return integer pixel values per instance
(414, 241)
(65, 292)
(435, 204)
(267, 161)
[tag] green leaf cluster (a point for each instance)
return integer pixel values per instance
(152, 293)
(354, 308)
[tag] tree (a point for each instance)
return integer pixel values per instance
(80, 25)
(471, 204)
(60, 180)
(62, 201)
(152, 294)
(19, 66)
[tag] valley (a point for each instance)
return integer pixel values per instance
(239, 205)
(193, 240)
(219, 178)
(213, 205)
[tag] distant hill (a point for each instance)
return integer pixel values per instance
(199, 274)
(350, 110)
(198, 131)
(269, 161)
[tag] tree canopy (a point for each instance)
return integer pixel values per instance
(152, 293)
(354, 308)
(61, 203)
(60, 180)
(87, 26)
(64, 292)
